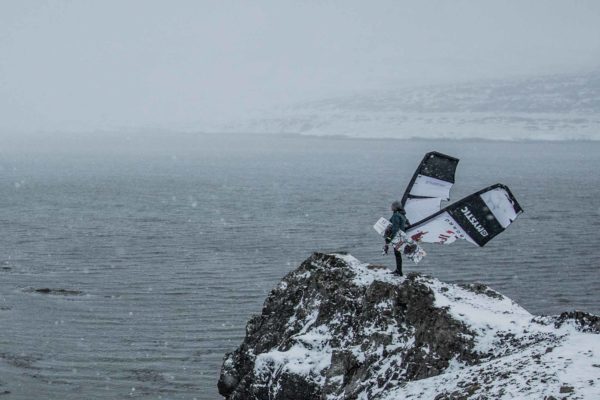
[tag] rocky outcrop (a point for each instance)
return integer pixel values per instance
(338, 329)
(55, 292)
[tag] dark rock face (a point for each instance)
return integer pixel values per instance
(326, 331)
(583, 321)
(481, 288)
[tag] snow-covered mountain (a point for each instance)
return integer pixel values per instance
(338, 329)
(558, 107)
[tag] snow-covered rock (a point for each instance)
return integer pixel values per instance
(336, 328)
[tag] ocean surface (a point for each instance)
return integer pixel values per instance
(152, 254)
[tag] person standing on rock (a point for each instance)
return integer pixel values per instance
(399, 222)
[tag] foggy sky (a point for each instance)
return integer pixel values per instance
(102, 65)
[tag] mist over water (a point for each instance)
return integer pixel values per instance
(170, 246)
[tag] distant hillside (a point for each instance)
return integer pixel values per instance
(558, 107)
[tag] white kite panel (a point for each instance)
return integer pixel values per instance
(418, 209)
(499, 203)
(441, 229)
(431, 187)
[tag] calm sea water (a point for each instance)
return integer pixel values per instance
(173, 245)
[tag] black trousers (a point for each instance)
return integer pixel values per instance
(398, 256)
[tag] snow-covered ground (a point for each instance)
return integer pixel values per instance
(531, 357)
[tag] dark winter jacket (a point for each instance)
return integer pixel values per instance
(399, 222)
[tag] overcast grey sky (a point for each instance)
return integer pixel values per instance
(87, 65)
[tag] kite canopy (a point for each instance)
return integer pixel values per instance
(477, 218)
(429, 186)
